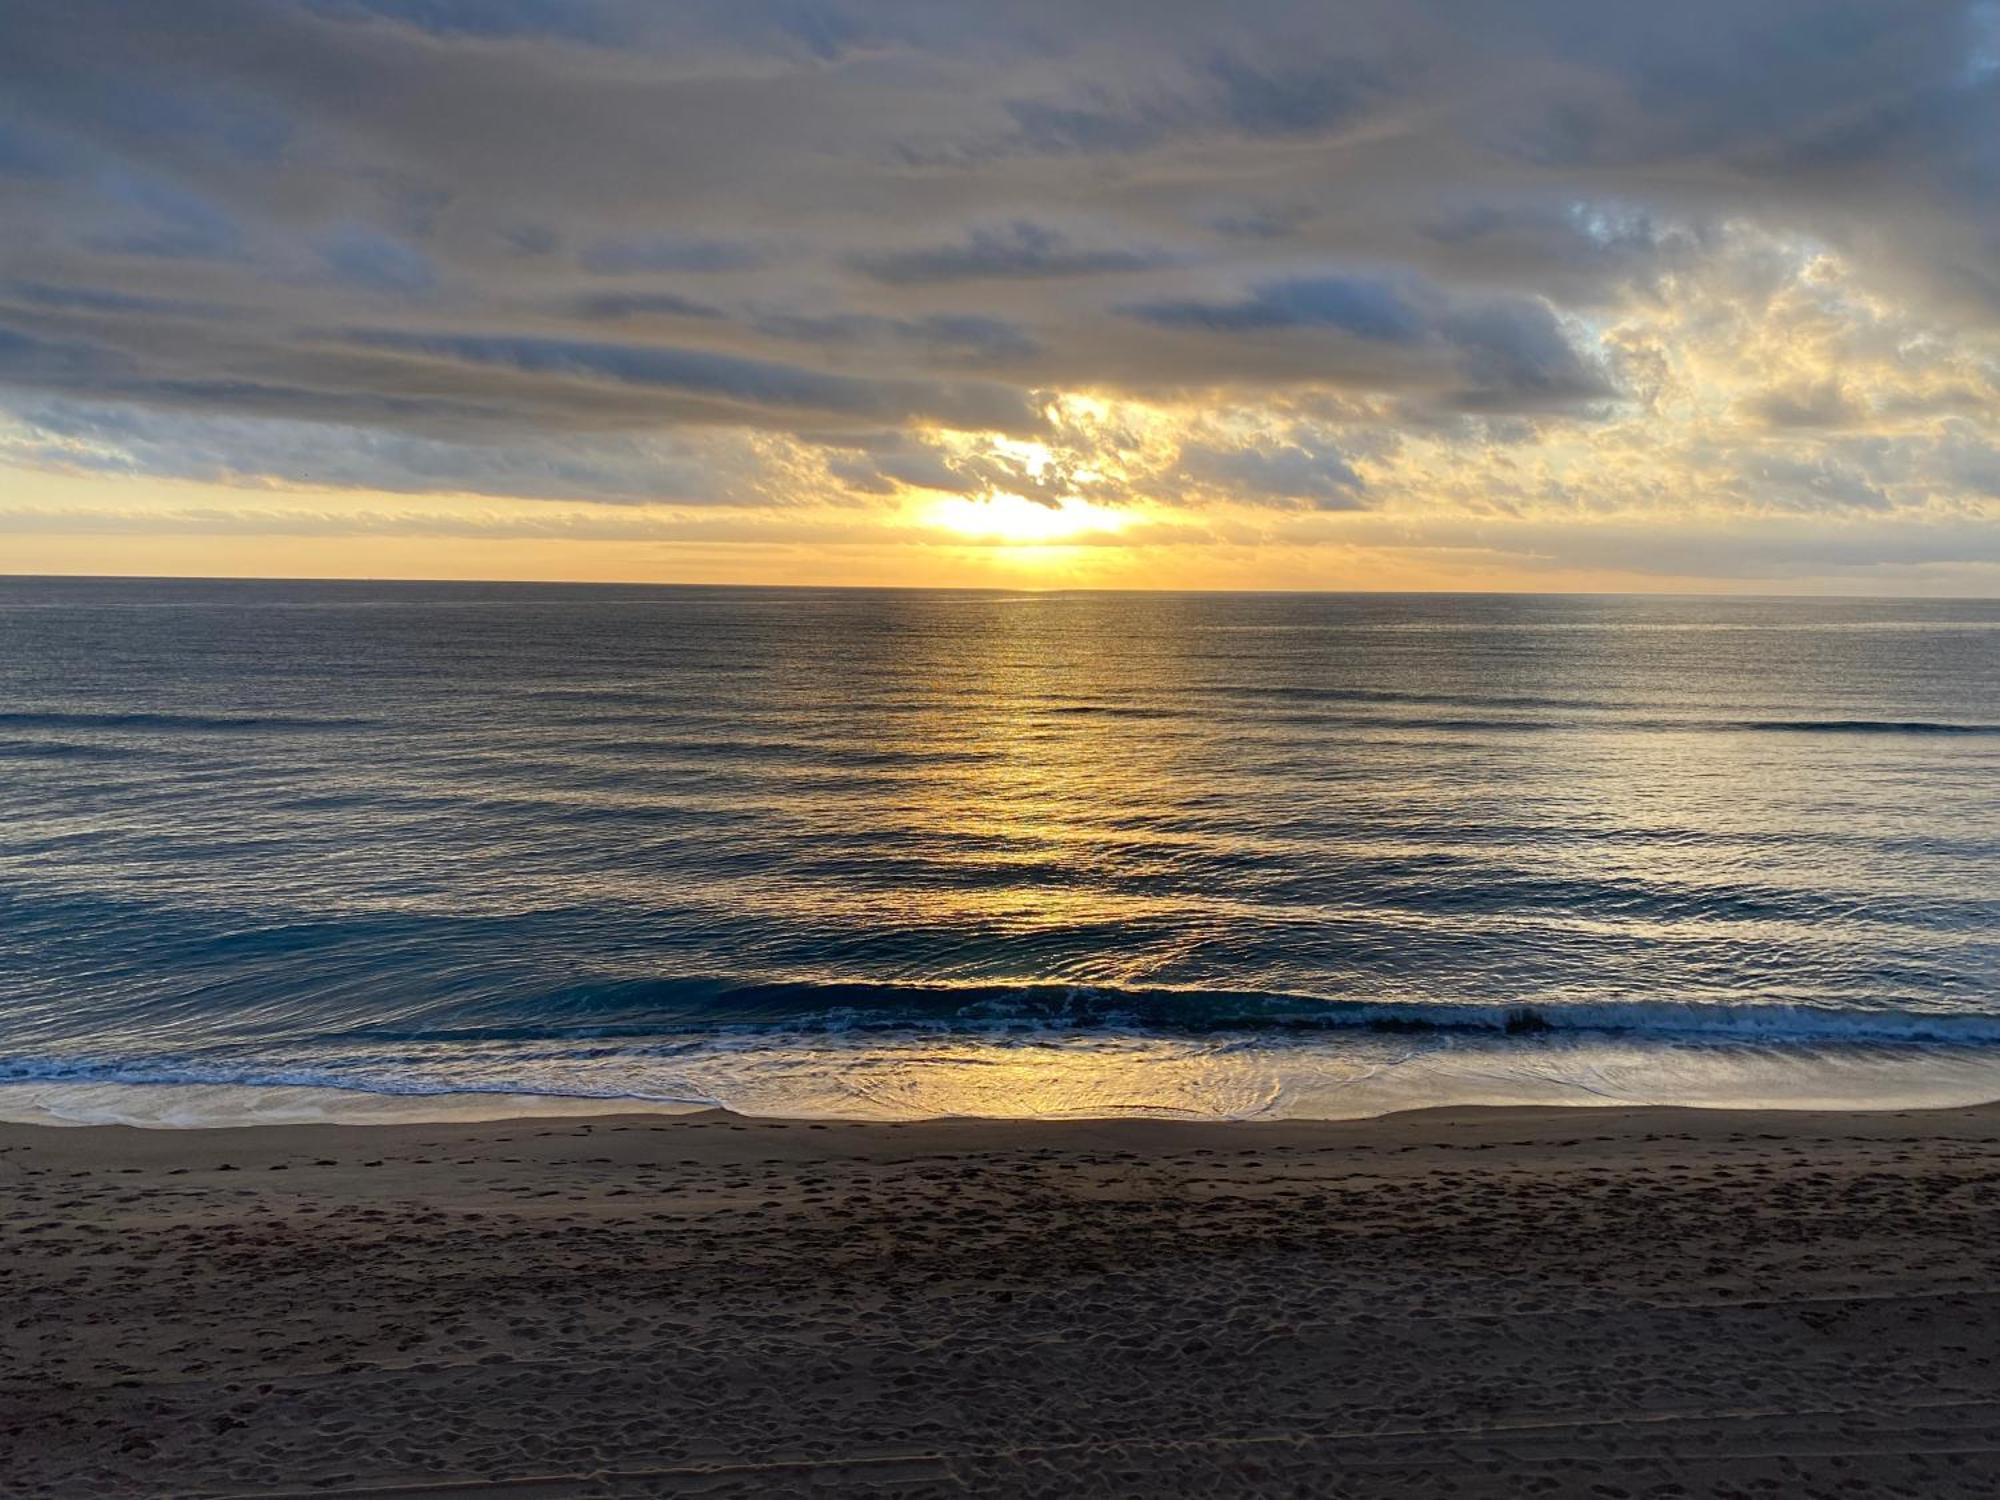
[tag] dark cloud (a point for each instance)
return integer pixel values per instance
(1514, 354)
(949, 333)
(1364, 307)
(104, 300)
(724, 379)
(1289, 92)
(1017, 251)
(25, 358)
(531, 239)
(1283, 96)
(1585, 251)
(615, 305)
(879, 468)
(1507, 352)
(1090, 127)
(1316, 477)
(606, 468)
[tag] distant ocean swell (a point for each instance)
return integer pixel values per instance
(1568, 714)
(1571, 717)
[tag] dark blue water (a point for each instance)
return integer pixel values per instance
(914, 852)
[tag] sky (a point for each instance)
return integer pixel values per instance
(1553, 294)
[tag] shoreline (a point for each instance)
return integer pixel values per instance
(1424, 1123)
(1468, 1301)
(1054, 1084)
(475, 1111)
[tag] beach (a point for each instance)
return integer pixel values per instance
(1479, 1302)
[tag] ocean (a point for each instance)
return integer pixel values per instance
(301, 850)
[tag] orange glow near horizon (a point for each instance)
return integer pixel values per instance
(68, 522)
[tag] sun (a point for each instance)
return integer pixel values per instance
(1013, 520)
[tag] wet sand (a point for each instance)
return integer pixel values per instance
(1588, 1302)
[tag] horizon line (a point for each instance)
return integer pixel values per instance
(919, 588)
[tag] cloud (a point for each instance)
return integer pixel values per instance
(664, 252)
(1824, 402)
(377, 262)
(1589, 251)
(882, 467)
(1364, 307)
(1285, 97)
(24, 154)
(1514, 354)
(723, 378)
(1228, 92)
(613, 306)
(1021, 250)
(949, 333)
(1268, 222)
(1320, 479)
(586, 21)
(33, 294)
(83, 437)
(1508, 352)
(1822, 482)
(161, 221)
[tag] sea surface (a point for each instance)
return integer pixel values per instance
(296, 850)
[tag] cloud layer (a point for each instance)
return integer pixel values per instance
(1555, 281)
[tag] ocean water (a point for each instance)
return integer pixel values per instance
(279, 849)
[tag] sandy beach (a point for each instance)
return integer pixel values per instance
(1591, 1302)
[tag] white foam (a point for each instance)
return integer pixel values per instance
(187, 1106)
(914, 1077)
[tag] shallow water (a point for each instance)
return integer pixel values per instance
(892, 854)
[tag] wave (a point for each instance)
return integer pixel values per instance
(1607, 717)
(1579, 714)
(252, 1073)
(1325, 1059)
(61, 750)
(1303, 693)
(137, 719)
(1531, 723)
(654, 1008)
(1860, 726)
(921, 1051)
